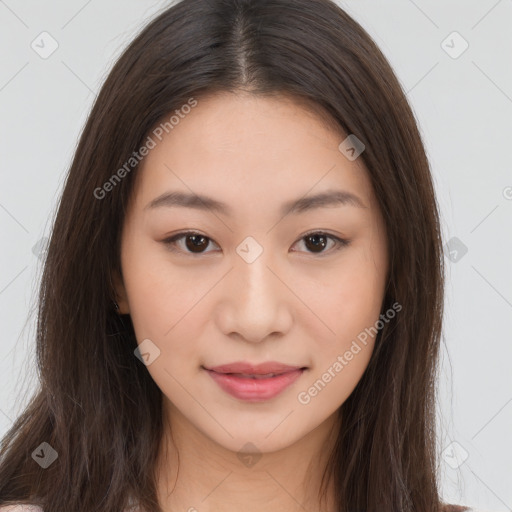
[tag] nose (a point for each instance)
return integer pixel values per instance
(255, 302)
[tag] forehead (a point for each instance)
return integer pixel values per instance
(225, 121)
(246, 149)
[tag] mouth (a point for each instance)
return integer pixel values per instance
(255, 383)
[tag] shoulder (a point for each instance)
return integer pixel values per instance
(457, 508)
(35, 508)
(20, 508)
(32, 508)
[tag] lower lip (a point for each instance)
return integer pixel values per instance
(255, 390)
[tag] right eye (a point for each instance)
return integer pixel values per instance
(195, 243)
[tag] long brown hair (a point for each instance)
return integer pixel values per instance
(97, 405)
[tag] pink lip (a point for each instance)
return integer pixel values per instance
(250, 389)
(251, 369)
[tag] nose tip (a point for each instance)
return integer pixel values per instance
(256, 305)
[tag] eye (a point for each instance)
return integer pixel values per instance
(196, 243)
(317, 241)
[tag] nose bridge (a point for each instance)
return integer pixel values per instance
(257, 282)
(252, 268)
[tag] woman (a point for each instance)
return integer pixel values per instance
(242, 299)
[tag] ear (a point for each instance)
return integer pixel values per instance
(120, 293)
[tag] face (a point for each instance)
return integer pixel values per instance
(239, 276)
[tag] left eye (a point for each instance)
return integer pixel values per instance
(318, 240)
(195, 243)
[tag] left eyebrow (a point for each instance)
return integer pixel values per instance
(325, 199)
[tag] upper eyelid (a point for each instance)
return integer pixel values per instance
(341, 241)
(177, 236)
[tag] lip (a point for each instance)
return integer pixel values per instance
(254, 369)
(230, 380)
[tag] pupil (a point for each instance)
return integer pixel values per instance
(194, 246)
(317, 244)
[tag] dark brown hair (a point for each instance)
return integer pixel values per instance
(97, 405)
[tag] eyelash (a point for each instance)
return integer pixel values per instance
(171, 242)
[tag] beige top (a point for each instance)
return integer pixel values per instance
(21, 508)
(33, 508)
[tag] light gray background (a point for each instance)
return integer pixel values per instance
(464, 107)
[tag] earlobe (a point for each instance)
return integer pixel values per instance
(120, 298)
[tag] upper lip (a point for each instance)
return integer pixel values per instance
(258, 369)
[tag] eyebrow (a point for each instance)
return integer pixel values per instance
(329, 198)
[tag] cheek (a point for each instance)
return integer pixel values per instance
(350, 306)
(359, 298)
(165, 300)
(347, 296)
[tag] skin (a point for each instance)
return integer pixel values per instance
(292, 304)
